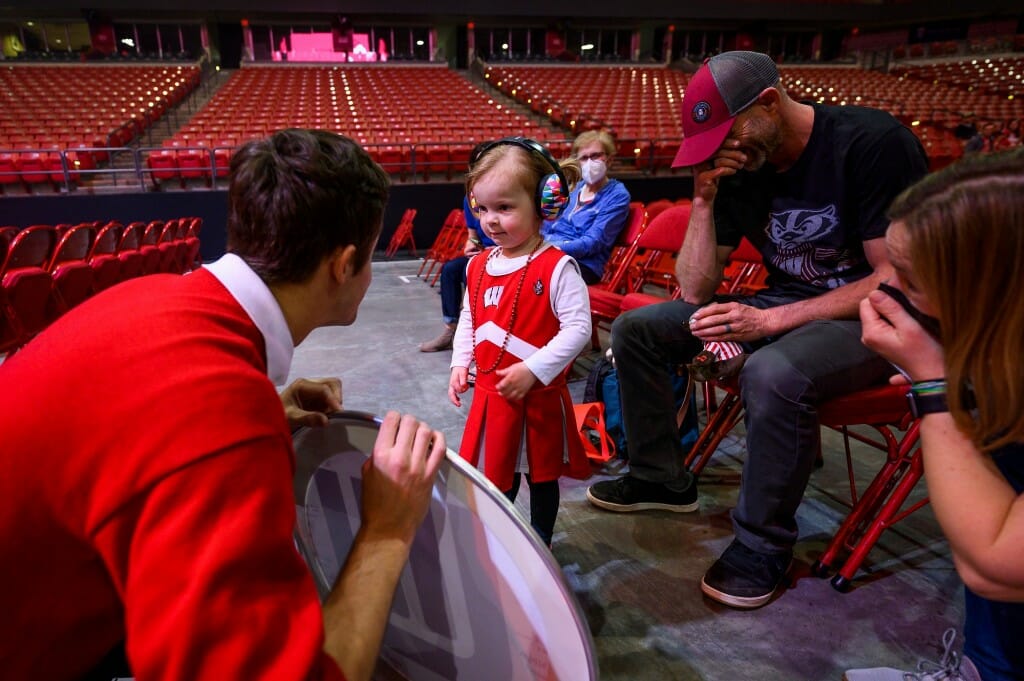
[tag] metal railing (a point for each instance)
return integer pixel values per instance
(411, 162)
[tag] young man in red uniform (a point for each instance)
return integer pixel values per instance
(148, 460)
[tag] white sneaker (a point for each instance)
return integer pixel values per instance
(951, 667)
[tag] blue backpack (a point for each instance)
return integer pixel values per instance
(603, 386)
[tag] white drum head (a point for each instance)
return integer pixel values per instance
(481, 597)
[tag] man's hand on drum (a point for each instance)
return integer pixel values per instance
(308, 401)
(398, 478)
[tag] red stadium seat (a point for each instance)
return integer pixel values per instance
(128, 253)
(148, 247)
(657, 245)
(26, 285)
(163, 165)
(69, 268)
(106, 268)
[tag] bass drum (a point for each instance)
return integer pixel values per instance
(480, 598)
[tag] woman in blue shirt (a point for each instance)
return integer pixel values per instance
(597, 210)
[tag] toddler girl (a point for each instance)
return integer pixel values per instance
(525, 317)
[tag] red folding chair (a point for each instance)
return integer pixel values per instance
(657, 245)
(168, 244)
(745, 273)
(448, 243)
(128, 253)
(614, 276)
(149, 247)
(883, 409)
(880, 506)
(193, 255)
(654, 208)
(403, 234)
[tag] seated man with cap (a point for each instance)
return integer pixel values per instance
(808, 185)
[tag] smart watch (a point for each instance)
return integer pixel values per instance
(927, 397)
(933, 403)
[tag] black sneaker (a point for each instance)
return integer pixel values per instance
(633, 494)
(744, 578)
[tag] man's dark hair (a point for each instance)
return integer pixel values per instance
(297, 196)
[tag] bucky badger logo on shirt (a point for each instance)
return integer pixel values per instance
(803, 250)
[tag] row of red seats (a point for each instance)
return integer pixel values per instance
(47, 270)
(28, 168)
(938, 95)
(374, 105)
(639, 104)
(206, 160)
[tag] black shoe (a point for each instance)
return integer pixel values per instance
(633, 494)
(744, 578)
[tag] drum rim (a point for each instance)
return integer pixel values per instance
(456, 461)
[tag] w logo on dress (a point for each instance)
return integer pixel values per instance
(492, 296)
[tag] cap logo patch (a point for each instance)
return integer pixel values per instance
(701, 112)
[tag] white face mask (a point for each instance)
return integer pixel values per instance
(593, 170)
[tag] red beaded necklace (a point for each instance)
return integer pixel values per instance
(515, 306)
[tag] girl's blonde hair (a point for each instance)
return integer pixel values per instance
(965, 229)
(528, 168)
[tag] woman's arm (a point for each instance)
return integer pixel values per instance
(980, 514)
(978, 510)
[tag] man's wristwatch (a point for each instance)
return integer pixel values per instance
(927, 397)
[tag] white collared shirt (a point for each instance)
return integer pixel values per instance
(259, 303)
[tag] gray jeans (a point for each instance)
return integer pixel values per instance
(781, 385)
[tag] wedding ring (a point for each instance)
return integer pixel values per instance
(728, 328)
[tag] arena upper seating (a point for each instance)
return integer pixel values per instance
(991, 87)
(52, 115)
(411, 119)
(46, 109)
(930, 99)
(640, 104)
(933, 94)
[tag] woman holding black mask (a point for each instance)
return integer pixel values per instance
(956, 242)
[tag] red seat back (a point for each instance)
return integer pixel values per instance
(128, 253)
(151, 256)
(26, 283)
(103, 260)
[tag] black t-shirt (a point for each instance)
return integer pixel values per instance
(810, 222)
